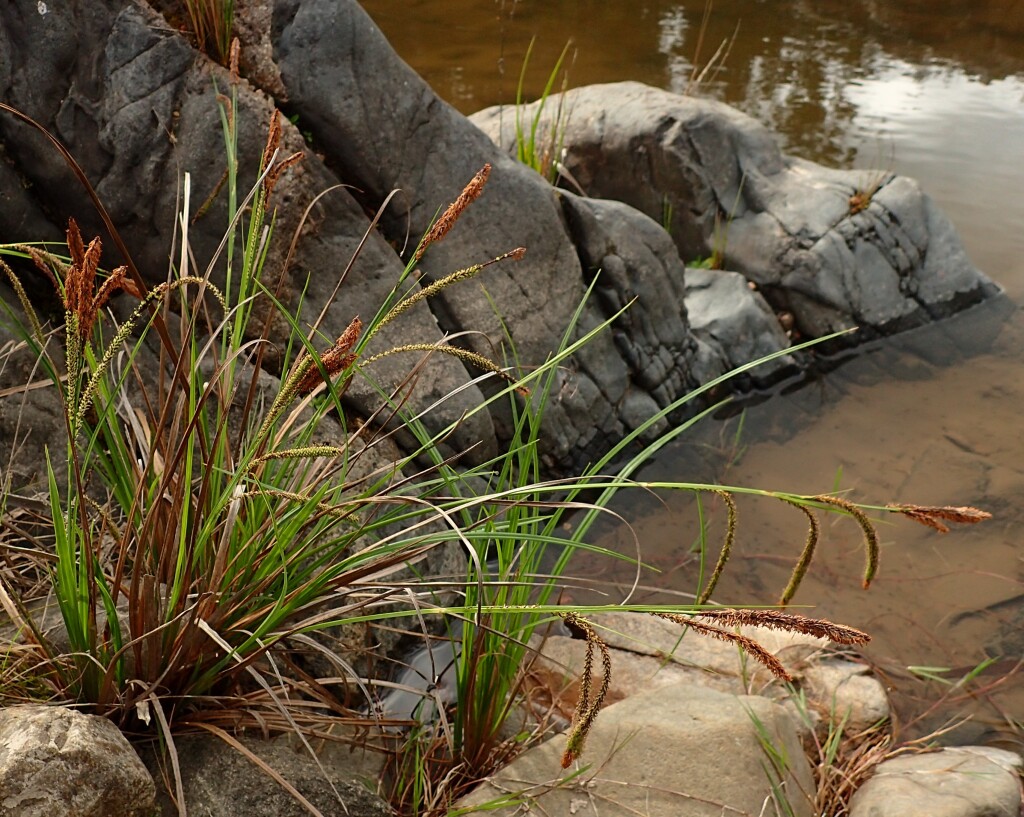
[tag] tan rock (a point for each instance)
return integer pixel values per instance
(675, 751)
(57, 762)
(966, 781)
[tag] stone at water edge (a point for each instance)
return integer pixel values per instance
(786, 224)
(56, 762)
(847, 693)
(735, 322)
(965, 781)
(648, 652)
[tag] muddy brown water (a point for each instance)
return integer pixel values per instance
(931, 90)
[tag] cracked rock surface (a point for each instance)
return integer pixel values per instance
(835, 248)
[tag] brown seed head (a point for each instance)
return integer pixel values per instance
(335, 360)
(804, 562)
(469, 194)
(75, 246)
(81, 298)
(233, 53)
(870, 534)
(791, 622)
(589, 702)
(936, 516)
(747, 644)
(117, 280)
(273, 139)
(723, 556)
(270, 150)
(275, 172)
(80, 279)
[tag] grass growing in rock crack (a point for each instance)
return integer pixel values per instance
(870, 182)
(201, 523)
(719, 240)
(539, 144)
(212, 24)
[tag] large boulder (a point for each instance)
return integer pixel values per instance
(138, 106)
(681, 327)
(385, 129)
(835, 248)
(56, 762)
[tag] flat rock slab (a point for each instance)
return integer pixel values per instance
(649, 653)
(966, 781)
(677, 751)
(56, 762)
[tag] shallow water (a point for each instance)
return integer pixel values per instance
(934, 91)
(921, 418)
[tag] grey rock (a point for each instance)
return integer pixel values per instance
(386, 128)
(633, 259)
(736, 322)
(965, 781)
(787, 224)
(426, 683)
(21, 218)
(31, 419)
(679, 751)
(137, 107)
(219, 779)
(56, 762)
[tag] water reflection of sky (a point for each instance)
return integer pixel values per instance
(964, 139)
(935, 91)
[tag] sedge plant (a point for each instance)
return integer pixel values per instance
(514, 528)
(199, 518)
(203, 520)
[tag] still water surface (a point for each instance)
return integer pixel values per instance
(931, 90)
